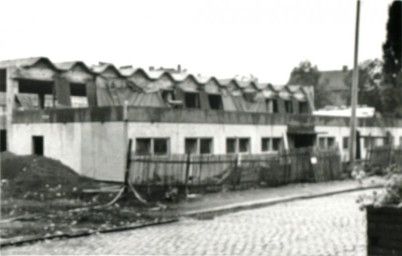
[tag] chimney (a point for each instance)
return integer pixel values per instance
(179, 68)
(344, 68)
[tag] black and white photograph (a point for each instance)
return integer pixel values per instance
(201, 127)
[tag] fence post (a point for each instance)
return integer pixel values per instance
(187, 174)
(128, 163)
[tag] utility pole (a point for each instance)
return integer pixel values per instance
(353, 119)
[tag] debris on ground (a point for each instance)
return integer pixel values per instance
(41, 196)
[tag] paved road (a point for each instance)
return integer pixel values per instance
(323, 226)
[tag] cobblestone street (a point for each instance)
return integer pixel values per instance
(323, 226)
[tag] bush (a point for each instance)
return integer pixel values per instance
(391, 194)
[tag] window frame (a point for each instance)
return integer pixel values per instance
(151, 147)
(198, 141)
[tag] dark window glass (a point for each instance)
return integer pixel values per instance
(230, 145)
(275, 106)
(168, 95)
(331, 142)
(192, 100)
(160, 146)
(78, 89)
(345, 142)
(215, 101)
(265, 144)
(244, 145)
(41, 88)
(191, 146)
(276, 143)
(3, 140)
(3, 79)
(288, 106)
(303, 107)
(143, 147)
(205, 146)
(249, 96)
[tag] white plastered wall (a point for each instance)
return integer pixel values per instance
(97, 150)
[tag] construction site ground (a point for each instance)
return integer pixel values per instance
(42, 199)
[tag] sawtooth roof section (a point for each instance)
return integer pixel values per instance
(101, 68)
(27, 62)
(68, 65)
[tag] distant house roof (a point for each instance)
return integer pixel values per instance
(333, 79)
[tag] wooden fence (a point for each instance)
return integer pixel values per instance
(201, 173)
(383, 156)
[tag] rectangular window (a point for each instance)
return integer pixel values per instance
(206, 146)
(265, 144)
(149, 146)
(345, 142)
(331, 142)
(191, 146)
(77, 89)
(288, 106)
(238, 145)
(143, 147)
(3, 140)
(198, 145)
(39, 88)
(275, 106)
(303, 107)
(231, 145)
(276, 144)
(161, 147)
(37, 145)
(3, 79)
(215, 101)
(167, 95)
(321, 142)
(192, 100)
(244, 145)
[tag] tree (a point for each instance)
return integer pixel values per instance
(370, 79)
(305, 74)
(308, 75)
(392, 48)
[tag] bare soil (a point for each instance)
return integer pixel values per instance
(41, 196)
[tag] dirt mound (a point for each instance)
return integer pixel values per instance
(38, 177)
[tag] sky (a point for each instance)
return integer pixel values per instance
(222, 38)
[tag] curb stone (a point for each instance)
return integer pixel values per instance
(32, 239)
(216, 211)
(198, 214)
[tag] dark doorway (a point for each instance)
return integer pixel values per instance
(37, 145)
(303, 140)
(3, 140)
